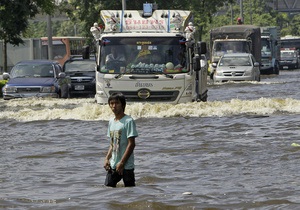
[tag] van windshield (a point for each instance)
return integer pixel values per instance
(143, 55)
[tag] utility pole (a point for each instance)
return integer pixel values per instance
(49, 32)
(251, 12)
(123, 5)
(241, 11)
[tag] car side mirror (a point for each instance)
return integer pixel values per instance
(6, 76)
(256, 64)
(62, 75)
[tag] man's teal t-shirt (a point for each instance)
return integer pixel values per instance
(118, 133)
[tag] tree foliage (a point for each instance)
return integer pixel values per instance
(15, 15)
(81, 14)
(14, 19)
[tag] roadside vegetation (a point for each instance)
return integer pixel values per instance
(81, 14)
(18, 18)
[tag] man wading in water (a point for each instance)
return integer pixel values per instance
(119, 161)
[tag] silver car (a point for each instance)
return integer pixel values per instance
(236, 67)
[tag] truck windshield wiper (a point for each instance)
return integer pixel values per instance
(119, 75)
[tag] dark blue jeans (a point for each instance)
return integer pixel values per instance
(113, 177)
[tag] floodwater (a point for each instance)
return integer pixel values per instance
(236, 151)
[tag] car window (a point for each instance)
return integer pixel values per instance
(47, 71)
(75, 66)
(32, 70)
(235, 61)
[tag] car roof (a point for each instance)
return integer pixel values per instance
(72, 59)
(38, 62)
(236, 54)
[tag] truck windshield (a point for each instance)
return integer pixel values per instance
(143, 55)
(288, 54)
(265, 47)
(222, 47)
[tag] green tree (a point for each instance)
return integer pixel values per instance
(14, 16)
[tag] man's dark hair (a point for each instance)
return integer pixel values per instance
(119, 97)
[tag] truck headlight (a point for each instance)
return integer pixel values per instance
(219, 73)
(248, 72)
(48, 89)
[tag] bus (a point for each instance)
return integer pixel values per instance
(63, 48)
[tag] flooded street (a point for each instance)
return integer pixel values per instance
(234, 151)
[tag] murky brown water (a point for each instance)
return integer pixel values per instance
(233, 152)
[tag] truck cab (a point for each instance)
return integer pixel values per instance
(149, 57)
(270, 50)
(289, 59)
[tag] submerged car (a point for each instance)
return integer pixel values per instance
(36, 78)
(82, 74)
(236, 67)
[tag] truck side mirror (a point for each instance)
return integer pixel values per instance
(98, 68)
(86, 52)
(201, 48)
(196, 62)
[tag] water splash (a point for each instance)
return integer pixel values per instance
(87, 110)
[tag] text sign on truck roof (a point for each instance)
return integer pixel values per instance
(133, 21)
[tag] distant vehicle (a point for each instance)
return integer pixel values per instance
(63, 47)
(235, 39)
(289, 41)
(270, 50)
(237, 67)
(36, 78)
(289, 59)
(82, 73)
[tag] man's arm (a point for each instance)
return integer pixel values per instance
(108, 156)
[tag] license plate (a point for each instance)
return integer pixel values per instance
(79, 87)
(285, 67)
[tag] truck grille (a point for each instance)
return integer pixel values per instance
(81, 80)
(233, 73)
(155, 96)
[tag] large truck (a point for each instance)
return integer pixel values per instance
(235, 39)
(290, 42)
(270, 50)
(159, 59)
